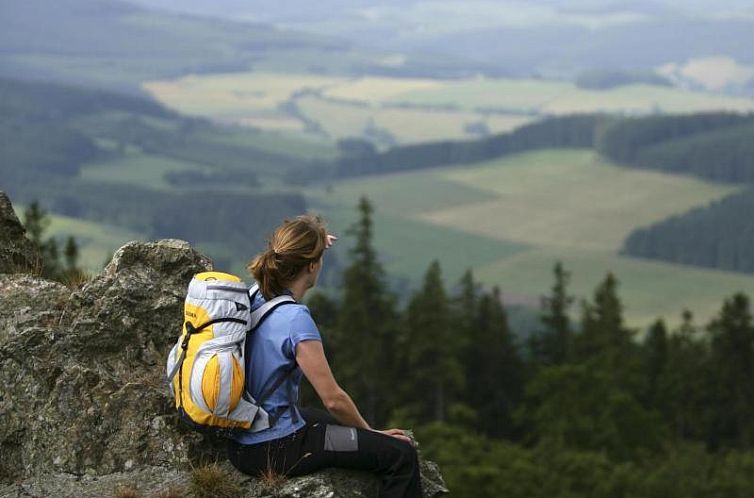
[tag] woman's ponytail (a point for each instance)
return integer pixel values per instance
(266, 271)
(293, 245)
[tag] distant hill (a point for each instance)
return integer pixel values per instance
(116, 44)
(129, 163)
(557, 38)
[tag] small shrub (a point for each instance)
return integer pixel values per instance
(210, 481)
(269, 480)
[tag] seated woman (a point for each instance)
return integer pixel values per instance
(285, 346)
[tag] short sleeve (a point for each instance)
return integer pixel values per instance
(303, 328)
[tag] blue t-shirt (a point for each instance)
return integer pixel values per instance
(270, 352)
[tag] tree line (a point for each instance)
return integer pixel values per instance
(715, 236)
(715, 145)
(359, 157)
(585, 407)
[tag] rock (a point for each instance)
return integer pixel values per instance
(83, 399)
(17, 253)
(82, 373)
(152, 481)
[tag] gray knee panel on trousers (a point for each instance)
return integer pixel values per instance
(340, 438)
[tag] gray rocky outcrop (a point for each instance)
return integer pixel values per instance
(16, 251)
(83, 400)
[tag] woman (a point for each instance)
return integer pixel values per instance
(285, 346)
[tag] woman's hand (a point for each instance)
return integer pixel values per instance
(398, 434)
(330, 240)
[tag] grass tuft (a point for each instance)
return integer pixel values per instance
(210, 481)
(269, 480)
(127, 491)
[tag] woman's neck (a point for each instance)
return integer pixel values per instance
(298, 288)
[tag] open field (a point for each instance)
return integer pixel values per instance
(569, 199)
(409, 110)
(143, 170)
(553, 97)
(510, 220)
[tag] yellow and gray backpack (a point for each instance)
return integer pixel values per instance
(206, 368)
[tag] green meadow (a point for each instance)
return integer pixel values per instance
(144, 170)
(511, 219)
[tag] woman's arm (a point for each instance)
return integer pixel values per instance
(310, 356)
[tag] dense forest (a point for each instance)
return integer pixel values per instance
(586, 407)
(713, 146)
(716, 236)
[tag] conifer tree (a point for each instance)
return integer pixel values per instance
(494, 370)
(553, 345)
(733, 369)
(36, 222)
(602, 329)
(685, 386)
(432, 350)
(655, 360)
(365, 333)
(71, 255)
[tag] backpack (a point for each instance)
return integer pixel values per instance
(206, 368)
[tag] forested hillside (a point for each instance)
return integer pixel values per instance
(717, 236)
(130, 163)
(714, 146)
(584, 408)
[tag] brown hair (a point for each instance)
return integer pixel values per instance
(293, 245)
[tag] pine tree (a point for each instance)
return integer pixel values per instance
(36, 223)
(602, 329)
(365, 333)
(71, 255)
(685, 387)
(495, 372)
(733, 369)
(655, 362)
(432, 350)
(553, 345)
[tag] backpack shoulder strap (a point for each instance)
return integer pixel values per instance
(258, 315)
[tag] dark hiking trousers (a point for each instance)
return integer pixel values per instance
(323, 443)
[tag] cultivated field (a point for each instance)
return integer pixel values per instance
(409, 110)
(511, 219)
(143, 170)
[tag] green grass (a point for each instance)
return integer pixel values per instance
(511, 219)
(141, 170)
(406, 247)
(569, 198)
(288, 144)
